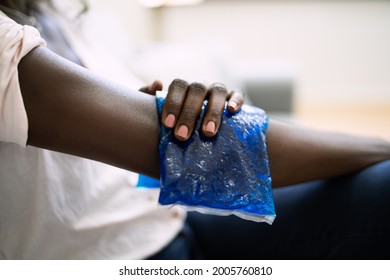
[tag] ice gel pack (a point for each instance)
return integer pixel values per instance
(224, 175)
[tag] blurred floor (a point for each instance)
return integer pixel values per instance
(365, 120)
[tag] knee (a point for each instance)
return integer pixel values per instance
(375, 175)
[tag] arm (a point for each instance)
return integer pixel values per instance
(71, 110)
(297, 154)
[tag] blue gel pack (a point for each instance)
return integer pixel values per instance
(147, 182)
(224, 175)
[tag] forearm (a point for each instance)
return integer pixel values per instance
(297, 154)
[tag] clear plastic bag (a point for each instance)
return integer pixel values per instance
(227, 174)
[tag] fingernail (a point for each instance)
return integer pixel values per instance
(170, 121)
(182, 131)
(210, 127)
(233, 104)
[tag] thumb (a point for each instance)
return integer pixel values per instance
(152, 88)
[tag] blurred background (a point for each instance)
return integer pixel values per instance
(324, 64)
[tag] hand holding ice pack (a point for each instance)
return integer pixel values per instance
(226, 174)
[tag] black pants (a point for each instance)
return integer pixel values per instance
(343, 218)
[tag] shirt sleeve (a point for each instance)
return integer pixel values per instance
(15, 42)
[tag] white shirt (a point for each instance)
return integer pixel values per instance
(58, 206)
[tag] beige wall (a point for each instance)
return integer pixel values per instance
(123, 20)
(341, 48)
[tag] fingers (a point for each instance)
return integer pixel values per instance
(173, 103)
(182, 107)
(184, 102)
(215, 108)
(191, 109)
(235, 101)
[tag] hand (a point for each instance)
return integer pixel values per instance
(183, 105)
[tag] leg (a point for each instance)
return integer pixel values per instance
(183, 247)
(342, 218)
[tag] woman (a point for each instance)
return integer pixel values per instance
(55, 205)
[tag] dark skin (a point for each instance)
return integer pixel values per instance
(184, 101)
(75, 111)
